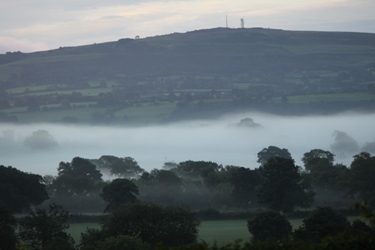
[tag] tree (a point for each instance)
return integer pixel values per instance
(172, 226)
(322, 222)
(245, 181)
(80, 177)
(125, 167)
(272, 151)
(269, 226)
(283, 188)
(323, 172)
(119, 192)
(19, 190)
(196, 169)
(160, 187)
(43, 229)
(117, 243)
(79, 167)
(316, 158)
(77, 186)
(359, 227)
(359, 178)
(369, 147)
(7, 229)
(344, 143)
(248, 123)
(40, 139)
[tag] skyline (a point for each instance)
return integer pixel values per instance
(35, 25)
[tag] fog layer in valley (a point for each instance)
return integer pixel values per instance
(221, 141)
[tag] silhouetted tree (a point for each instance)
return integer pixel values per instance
(79, 167)
(160, 186)
(322, 222)
(245, 181)
(283, 187)
(115, 243)
(119, 192)
(125, 167)
(266, 153)
(269, 226)
(7, 229)
(172, 226)
(196, 169)
(43, 229)
(359, 178)
(80, 177)
(20, 190)
(317, 157)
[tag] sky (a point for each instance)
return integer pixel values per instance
(36, 25)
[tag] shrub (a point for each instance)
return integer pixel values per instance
(269, 225)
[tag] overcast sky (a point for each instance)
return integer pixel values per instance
(34, 25)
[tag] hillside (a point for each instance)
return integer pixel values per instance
(197, 74)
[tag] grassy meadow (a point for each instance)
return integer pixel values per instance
(220, 231)
(210, 231)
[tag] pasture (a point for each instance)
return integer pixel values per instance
(220, 231)
(337, 97)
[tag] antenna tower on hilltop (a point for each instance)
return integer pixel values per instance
(226, 21)
(242, 23)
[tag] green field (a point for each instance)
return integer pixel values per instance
(340, 97)
(220, 231)
(76, 229)
(209, 72)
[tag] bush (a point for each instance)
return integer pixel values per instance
(7, 229)
(322, 222)
(269, 225)
(172, 226)
(119, 243)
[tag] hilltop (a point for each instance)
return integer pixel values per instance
(203, 73)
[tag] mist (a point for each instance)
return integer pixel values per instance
(221, 141)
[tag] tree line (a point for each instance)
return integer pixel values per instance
(172, 193)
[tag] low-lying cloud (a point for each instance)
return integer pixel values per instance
(221, 140)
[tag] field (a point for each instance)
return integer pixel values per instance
(221, 231)
(341, 97)
(191, 75)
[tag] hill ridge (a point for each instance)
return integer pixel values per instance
(210, 71)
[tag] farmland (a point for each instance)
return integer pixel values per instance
(203, 73)
(211, 231)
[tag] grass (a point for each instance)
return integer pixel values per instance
(220, 231)
(358, 96)
(227, 231)
(223, 231)
(76, 229)
(137, 115)
(83, 114)
(147, 113)
(84, 92)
